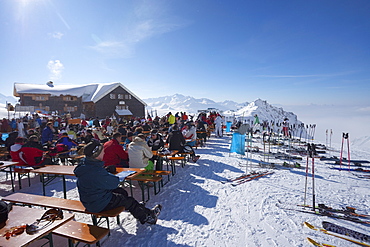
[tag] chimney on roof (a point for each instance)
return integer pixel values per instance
(50, 84)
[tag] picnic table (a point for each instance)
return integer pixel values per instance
(4, 165)
(19, 216)
(54, 171)
(163, 157)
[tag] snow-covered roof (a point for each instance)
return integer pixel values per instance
(88, 92)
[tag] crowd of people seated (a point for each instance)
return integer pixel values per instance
(107, 144)
(127, 143)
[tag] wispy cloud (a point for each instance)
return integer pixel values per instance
(149, 20)
(55, 67)
(63, 20)
(364, 109)
(307, 76)
(56, 35)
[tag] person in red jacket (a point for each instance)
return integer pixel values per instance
(32, 153)
(15, 150)
(114, 154)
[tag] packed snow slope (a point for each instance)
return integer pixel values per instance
(200, 210)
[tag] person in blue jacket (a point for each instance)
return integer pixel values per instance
(99, 191)
(64, 139)
(47, 134)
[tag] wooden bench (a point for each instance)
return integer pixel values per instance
(172, 161)
(186, 156)
(151, 177)
(81, 232)
(64, 204)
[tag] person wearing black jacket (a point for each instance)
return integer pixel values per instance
(156, 143)
(175, 139)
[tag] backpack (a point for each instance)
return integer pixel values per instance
(187, 149)
(4, 211)
(61, 147)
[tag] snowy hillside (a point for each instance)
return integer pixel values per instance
(244, 111)
(362, 143)
(265, 112)
(9, 99)
(188, 104)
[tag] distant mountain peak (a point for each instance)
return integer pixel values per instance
(245, 111)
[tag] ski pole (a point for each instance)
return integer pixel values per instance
(313, 131)
(349, 157)
(305, 185)
(313, 151)
(341, 151)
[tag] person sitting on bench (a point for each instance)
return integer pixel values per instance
(114, 154)
(177, 142)
(99, 191)
(32, 153)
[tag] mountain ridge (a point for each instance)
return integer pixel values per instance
(243, 111)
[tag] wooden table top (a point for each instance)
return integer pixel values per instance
(173, 152)
(138, 171)
(5, 164)
(23, 215)
(68, 170)
(56, 169)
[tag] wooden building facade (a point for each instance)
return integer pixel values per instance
(93, 100)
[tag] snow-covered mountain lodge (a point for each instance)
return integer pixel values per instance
(93, 100)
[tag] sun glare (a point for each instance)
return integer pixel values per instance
(25, 3)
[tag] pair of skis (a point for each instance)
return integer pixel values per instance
(350, 169)
(361, 176)
(328, 213)
(345, 210)
(245, 178)
(328, 228)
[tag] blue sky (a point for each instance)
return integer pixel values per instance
(286, 52)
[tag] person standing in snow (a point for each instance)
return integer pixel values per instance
(256, 123)
(99, 190)
(171, 119)
(20, 127)
(218, 126)
(286, 127)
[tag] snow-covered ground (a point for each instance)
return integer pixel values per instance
(199, 210)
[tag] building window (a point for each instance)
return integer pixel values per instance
(121, 107)
(70, 108)
(120, 96)
(122, 103)
(112, 96)
(40, 98)
(127, 96)
(68, 98)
